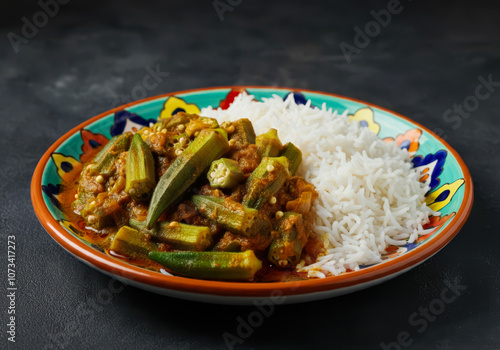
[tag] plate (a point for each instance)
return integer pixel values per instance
(442, 168)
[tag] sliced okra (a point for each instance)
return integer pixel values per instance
(103, 163)
(294, 156)
(185, 170)
(269, 144)
(265, 181)
(210, 265)
(177, 235)
(286, 250)
(225, 173)
(233, 216)
(140, 170)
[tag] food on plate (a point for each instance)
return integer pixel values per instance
(217, 196)
(369, 195)
(199, 199)
(212, 265)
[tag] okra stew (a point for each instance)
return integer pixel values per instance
(194, 198)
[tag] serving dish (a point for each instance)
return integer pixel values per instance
(442, 168)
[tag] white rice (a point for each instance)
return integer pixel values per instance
(369, 194)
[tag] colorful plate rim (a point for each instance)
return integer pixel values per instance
(133, 273)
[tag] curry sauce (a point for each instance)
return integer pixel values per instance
(137, 196)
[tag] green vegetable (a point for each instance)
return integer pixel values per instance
(269, 145)
(225, 173)
(171, 123)
(95, 216)
(223, 132)
(177, 235)
(243, 131)
(183, 172)
(302, 204)
(132, 243)
(103, 163)
(265, 181)
(233, 246)
(83, 196)
(287, 248)
(198, 124)
(140, 171)
(176, 140)
(294, 156)
(233, 216)
(210, 265)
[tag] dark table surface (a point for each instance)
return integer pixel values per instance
(80, 61)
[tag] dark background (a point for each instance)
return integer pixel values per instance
(426, 60)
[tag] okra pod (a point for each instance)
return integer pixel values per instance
(104, 160)
(140, 170)
(196, 125)
(95, 216)
(243, 131)
(287, 248)
(177, 139)
(178, 143)
(233, 246)
(210, 265)
(171, 123)
(294, 156)
(141, 226)
(83, 196)
(265, 181)
(269, 144)
(223, 132)
(185, 170)
(233, 216)
(225, 173)
(132, 243)
(302, 204)
(177, 235)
